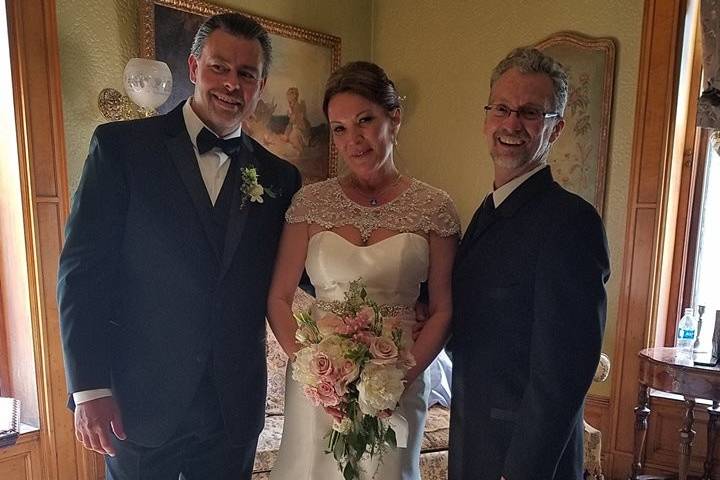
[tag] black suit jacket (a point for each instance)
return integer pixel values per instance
(530, 305)
(148, 304)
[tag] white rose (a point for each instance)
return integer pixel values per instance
(335, 347)
(255, 192)
(343, 426)
(379, 388)
(301, 367)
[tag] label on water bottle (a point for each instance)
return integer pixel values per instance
(686, 334)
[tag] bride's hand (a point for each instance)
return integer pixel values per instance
(292, 352)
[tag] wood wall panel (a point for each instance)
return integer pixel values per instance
(39, 88)
(41, 150)
(656, 118)
(597, 413)
(49, 227)
(640, 283)
(637, 313)
(22, 460)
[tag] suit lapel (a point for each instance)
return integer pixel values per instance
(524, 193)
(240, 206)
(183, 157)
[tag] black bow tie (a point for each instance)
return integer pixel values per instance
(206, 141)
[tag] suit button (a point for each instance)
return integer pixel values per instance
(200, 358)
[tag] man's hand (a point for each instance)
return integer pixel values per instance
(93, 423)
(421, 316)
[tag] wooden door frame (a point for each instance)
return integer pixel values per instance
(641, 317)
(35, 68)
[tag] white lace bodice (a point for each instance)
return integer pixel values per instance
(419, 209)
(393, 268)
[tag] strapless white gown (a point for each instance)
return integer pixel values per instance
(392, 271)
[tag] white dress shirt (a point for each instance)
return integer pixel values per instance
(502, 193)
(214, 166)
(214, 163)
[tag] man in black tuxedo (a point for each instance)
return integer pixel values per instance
(529, 294)
(164, 274)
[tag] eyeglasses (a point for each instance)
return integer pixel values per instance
(531, 114)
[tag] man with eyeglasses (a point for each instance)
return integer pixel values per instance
(529, 294)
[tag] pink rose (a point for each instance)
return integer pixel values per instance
(329, 324)
(322, 395)
(346, 374)
(311, 394)
(321, 365)
(383, 350)
(326, 394)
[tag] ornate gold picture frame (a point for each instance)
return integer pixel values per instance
(580, 155)
(289, 120)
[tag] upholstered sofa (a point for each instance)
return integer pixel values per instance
(433, 459)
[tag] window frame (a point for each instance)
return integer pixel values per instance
(685, 250)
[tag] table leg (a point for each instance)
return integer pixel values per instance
(687, 435)
(642, 411)
(713, 429)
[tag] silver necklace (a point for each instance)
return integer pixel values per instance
(374, 199)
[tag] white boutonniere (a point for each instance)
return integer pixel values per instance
(252, 188)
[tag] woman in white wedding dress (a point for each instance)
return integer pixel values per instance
(394, 232)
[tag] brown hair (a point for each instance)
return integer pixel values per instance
(239, 26)
(365, 79)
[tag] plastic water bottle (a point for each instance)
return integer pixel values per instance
(687, 329)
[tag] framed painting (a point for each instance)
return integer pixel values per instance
(288, 120)
(579, 156)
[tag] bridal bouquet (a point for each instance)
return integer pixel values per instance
(352, 363)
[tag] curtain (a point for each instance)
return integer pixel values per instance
(709, 104)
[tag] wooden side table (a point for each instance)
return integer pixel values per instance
(660, 369)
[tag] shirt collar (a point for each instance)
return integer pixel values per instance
(193, 124)
(502, 193)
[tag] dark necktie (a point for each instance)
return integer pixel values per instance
(206, 141)
(482, 216)
(488, 206)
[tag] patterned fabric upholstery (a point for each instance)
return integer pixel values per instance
(592, 448)
(592, 438)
